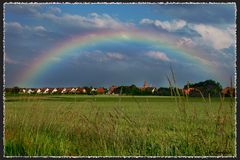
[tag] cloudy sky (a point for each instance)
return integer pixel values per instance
(197, 40)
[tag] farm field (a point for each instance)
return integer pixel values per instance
(77, 125)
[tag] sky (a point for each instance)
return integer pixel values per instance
(100, 45)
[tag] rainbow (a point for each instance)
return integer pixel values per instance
(81, 42)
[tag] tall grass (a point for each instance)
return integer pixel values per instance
(138, 127)
(223, 120)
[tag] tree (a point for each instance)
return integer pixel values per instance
(133, 90)
(8, 90)
(162, 91)
(128, 90)
(88, 90)
(15, 90)
(207, 87)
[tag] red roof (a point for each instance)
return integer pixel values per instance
(100, 90)
(80, 90)
(187, 91)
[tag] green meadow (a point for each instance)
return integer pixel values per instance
(78, 125)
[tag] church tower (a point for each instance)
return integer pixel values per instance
(145, 85)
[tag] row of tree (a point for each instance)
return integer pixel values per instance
(134, 90)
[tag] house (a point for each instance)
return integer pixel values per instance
(73, 90)
(46, 90)
(64, 90)
(50, 90)
(187, 91)
(154, 90)
(111, 89)
(23, 90)
(81, 90)
(54, 90)
(38, 91)
(30, 91)
(228, 91)
(59, 90)
(100, 90)
(68, 90)
(149, 90)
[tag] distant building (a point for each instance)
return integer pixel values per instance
(45, 91)
(228, 91)
(154, 90)
(73, 90)
(23, 90)
(68, 90)
(30, 91)
(55, 90)
(100, 90)
(39, 91)
(111, 89)
(81, 90)
(187, 91)
(64, 90)
(145, 86)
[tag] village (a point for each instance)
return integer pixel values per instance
(146, 89)
(80, 90)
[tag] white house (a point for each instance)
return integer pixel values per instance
(30, 91)
(46, 91)
(73, 90)
(39, 91)
(64, 90)
(24, 90)
(54, 90)
(153, 90)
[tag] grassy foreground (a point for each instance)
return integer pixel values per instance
(118, 126)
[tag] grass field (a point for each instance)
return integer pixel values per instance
(75, 125)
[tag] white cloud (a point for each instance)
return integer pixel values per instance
(55, 10)
(216, 37)
(39, 29)
(115, 56)
(158, 55)
(231, 29)
(170, 26)
(55, 15)
(9, 60)
(100, 56)
(185, 41)
(14, 25)
(24, 9)
(146, 21)
(93, 20)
